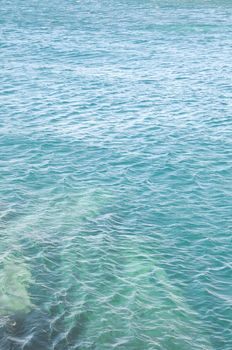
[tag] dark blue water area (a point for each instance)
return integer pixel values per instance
(115, 208)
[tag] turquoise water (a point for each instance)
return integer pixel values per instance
(116, 138)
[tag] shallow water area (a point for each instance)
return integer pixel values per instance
(115, 208)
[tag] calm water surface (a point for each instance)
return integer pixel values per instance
(116, 141)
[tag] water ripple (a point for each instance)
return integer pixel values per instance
(116, 175)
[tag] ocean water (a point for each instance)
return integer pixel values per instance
(116, 175)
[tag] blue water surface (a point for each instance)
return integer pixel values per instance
(116, 175)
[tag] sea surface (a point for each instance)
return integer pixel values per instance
(116, 175)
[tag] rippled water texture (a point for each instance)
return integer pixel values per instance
(116, 141)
